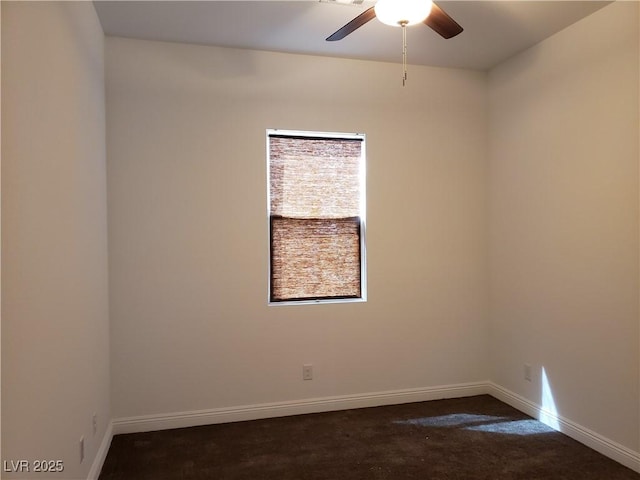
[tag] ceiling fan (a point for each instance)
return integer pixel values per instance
(402, 13)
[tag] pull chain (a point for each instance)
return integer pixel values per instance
(403, 24)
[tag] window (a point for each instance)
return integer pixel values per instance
(316, 216)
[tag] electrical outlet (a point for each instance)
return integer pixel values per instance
(94, 421)
(527, 372)
(307, 372)
(81, 449)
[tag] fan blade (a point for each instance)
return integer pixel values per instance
(442, 23)
(353, 25)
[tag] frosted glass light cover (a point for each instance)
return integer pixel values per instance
(396, 12)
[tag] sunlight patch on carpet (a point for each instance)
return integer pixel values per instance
(515, 427)
(481, 423)
(452, 420)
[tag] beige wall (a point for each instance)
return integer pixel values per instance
(564, 222)
(188, 242)
(55, 332)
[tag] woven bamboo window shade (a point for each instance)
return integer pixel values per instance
(315, 217)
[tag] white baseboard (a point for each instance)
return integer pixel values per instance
(597, 442)
(148, 423)
(101, 455)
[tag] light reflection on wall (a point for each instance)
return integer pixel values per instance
(549, 411)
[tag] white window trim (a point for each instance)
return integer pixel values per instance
(363, 216)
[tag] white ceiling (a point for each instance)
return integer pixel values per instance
(493, 30)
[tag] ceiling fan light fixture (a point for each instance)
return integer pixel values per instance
(402, 12)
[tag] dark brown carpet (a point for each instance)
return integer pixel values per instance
(467, 438)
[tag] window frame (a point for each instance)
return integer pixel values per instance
(362, 207)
